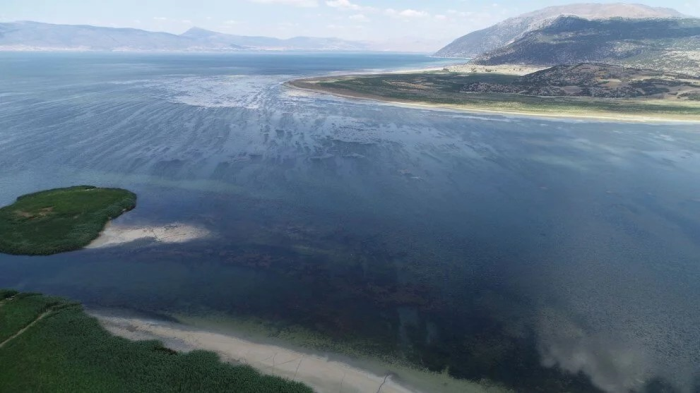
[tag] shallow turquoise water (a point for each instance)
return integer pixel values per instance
(519, 249)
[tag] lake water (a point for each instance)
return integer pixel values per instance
(546, 255)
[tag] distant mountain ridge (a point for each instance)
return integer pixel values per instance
(35, 36)
(661, 44)
(268, 43)
(506, 32)
(42, 36)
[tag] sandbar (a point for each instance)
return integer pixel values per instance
(117, 235)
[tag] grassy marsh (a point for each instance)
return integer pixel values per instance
(50, 345)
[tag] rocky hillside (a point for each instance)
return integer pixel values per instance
(664, 44)
(595, 80)
(504, 33)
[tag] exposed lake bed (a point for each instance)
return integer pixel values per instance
(492, 247)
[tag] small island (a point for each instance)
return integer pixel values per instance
(586, 90)
(60, 220)
(49, 344)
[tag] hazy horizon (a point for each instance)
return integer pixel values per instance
(400, 24)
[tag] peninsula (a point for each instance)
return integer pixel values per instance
(586, 90)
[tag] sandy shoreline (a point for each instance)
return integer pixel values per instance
(321, 373)
(115, 235)
(310, 85)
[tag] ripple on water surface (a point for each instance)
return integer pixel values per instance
(490, 246)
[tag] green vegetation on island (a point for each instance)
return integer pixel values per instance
(48, 344)
(60, 220)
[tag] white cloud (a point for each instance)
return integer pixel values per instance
(347, 5)
(406, 14)
(359, 18)
(287, 26)
(343, 4)
(295, 3)
(459, 13)
(159, 18)
(413, 14)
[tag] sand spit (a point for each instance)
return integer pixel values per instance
(321, 373)
(116, 235)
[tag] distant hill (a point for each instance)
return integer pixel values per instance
(44, 36)
(214, 39)
(34, 36)
(662, 44)
(504, 33)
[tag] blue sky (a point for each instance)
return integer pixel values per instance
(434, 21)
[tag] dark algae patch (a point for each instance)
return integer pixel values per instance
(50, 345)
(60, 220)
(370, 297)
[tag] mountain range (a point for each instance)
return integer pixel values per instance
(212, 39)
(37, 36)
(661, 44)
(510, 30)
(629, 35)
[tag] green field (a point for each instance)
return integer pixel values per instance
(50, 345)
(60, 220)
(444, 89)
